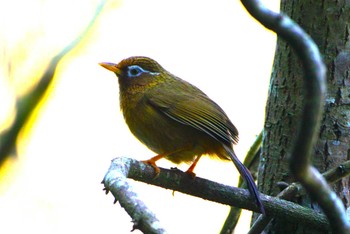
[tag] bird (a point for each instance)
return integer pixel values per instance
(174, 118)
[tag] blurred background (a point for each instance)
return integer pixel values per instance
(52, 185)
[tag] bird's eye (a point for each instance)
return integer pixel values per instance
(134, 71)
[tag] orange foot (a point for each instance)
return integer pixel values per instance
(191, 174)
(191, 168)
(152, 162)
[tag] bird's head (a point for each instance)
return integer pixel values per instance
(136, 71)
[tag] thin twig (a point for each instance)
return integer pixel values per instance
(27, 103)
(179, 181)
(314, 89)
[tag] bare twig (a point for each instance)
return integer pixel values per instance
(27, 103)
(335, 174)
(180, 181)
(315, 88)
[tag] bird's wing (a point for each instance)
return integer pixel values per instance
(197, 111)
(205, 115)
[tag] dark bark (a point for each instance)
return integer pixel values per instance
(328, 24)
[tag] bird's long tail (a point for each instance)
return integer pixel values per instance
(247, 176)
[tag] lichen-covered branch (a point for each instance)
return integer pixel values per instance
(177, 180)
(115, 182)
(314, 94)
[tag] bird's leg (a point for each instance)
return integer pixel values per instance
(152, 162)
(193, 165)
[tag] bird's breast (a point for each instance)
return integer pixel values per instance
(156, 130)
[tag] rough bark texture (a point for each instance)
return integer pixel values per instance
(328, 23)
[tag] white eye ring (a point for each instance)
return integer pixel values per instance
(135, 71)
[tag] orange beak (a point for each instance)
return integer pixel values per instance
(112, 67)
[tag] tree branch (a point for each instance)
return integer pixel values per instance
(315, 88)
(115, 181)
(332, 176)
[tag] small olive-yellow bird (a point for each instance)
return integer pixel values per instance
(174, 118)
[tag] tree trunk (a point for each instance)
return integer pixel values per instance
(327, 22)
